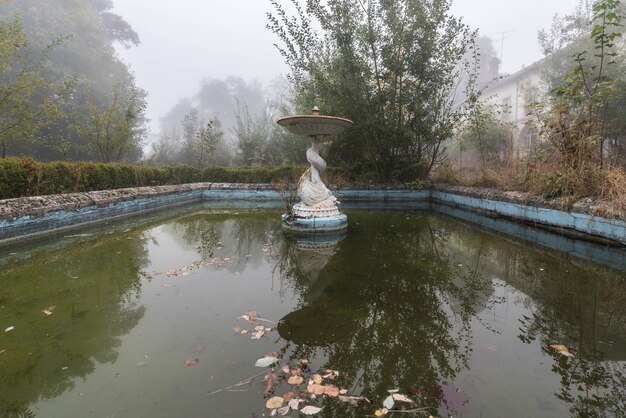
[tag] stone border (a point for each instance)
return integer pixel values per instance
(22, 218)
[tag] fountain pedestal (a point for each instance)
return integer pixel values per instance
(318, 210)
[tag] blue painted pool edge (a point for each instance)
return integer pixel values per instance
(28, 226)
(612, 229)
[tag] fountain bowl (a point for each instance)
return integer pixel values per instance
(314, 125)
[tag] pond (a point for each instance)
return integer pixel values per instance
(166, 316)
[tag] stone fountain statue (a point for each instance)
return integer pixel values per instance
(318, 210)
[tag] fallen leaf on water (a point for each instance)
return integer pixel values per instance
(401, 398)
(250, 314)
(141, 363)
(237, 330)
(282, 411)
(310, 410)
(166, 285)
(289, 396)
(315, 389)
(295, 380)
(2, 351)
(562, 350)
(266, 361)
(331, 390)
(388, 402)
(259, 328)
(270, 380)
(275, 402)
(285, 369)
(48, 311)
(295, 403)
(393, 391)
(379, 413)
(11, 328)
(257, 335)
(191, 362)
(343, 391)
(244, 331)
(317, 378)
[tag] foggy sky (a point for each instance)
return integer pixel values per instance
(185, 41)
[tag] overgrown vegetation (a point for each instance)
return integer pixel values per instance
(394, 68)
(578, 124)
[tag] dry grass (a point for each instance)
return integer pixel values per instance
(543, 176)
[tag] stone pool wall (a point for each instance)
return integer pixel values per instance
(30, 216)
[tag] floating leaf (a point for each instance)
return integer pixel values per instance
(393, 391)
(289, 396)
(295, 403)
(401, 398)
(331, 390)
(388, 402)
(295, 380)
(191, 362)
(266, 361)
(237, 330)
(270, 380)
(343, 391)
(315, 389)
(283, 411)
(317, 378)
(310, 410)
(48, 311)
(275, 402)
(257, 335)
(9, 329)
(379, 412)
(285, 369)
(562, 350)
(141, 363)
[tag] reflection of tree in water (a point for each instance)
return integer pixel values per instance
(383, 314)
(92, 285)
(588, 314)
(572, 302)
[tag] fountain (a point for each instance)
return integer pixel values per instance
(317, 210)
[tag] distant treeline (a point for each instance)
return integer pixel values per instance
(21, 177)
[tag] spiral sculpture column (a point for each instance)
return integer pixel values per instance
(318, 206)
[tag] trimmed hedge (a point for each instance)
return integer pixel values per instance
(26, 177)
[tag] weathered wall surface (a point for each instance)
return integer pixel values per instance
(24, 217)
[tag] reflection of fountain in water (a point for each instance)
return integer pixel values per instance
(302, 326)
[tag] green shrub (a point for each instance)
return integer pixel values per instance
(27, 177)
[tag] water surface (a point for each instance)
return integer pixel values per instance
(459, 319)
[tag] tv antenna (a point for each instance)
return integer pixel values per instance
(501, 37)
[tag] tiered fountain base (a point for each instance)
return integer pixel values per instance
(323, 217)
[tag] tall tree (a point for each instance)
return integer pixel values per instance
(113, 129)
(21, 81)
(391, 67)
(88, 54)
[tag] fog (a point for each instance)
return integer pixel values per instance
(186, 41)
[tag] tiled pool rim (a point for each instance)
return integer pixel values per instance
(29, 217)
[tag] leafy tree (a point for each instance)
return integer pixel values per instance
(573, 120)
(22, 81)
(114, 128)
(88, 54)
(391, 67)
(486, 134)
(200, 139)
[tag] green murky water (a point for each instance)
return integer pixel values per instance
(459, 319)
